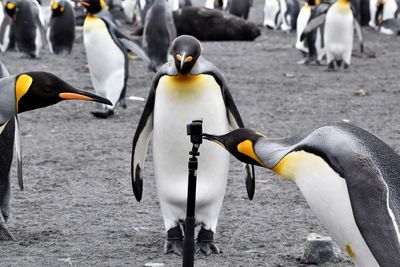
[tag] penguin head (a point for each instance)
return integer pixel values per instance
(240, 143)
(57, 7)
(41, 89)
(313, 2)
(185, 50)
(10, 8)
(93, 6)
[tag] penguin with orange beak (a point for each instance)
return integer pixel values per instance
(349, 177)
(20, 93)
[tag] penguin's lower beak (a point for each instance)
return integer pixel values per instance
(75, 94)
(214, 138)
(83, 3)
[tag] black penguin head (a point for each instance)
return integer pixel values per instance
(186, 51)
(93, 6)
(10, 8)
(41, 89)
(240, 143)
(57, 8)
(313, 2)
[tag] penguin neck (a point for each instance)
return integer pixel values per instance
(344, 3)
(7, 99)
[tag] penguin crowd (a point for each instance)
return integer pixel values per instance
(349, 177)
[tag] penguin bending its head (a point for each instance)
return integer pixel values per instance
(186, 87)
(349, 177)
(21, 93)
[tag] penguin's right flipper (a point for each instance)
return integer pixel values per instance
(18, 150)
(138, 51)
(140, 143)
(312, 25)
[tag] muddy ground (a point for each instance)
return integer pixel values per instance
(78, 207)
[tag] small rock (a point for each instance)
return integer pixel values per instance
(361, 92)
(320, 249)
(289, 75)
(346, 120)
(154, 264)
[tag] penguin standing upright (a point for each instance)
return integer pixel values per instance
(240, 8)
(29, 31)
(302, 19)
(381, 10)
(349, 178)
(187, 87)
(20, 93)
(7, 30)
(272, 17)
(289, 11)
(217, 4)
(159, 32)
(107, 54)
(61, 28)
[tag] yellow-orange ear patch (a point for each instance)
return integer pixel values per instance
(22, 85)
(246, 148)
(54, 5)
(102, 4)
(179, 57)
(10, 5)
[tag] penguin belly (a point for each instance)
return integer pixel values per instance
(6, 154)
(179, 100)
(327, 195)
(106, 60)
(338, 35)
(272, 19)
(302, 20)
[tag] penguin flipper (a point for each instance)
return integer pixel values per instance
(312, 25)
(140, 143)
(138, 51)
(18, 150)
(358, 30)
(369, 199)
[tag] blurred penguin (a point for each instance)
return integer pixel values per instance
(382, 10)
(217, 4)
(29, 31)
(240, 8)
(130, 9)
(272, 17)
(159, 32)
(7, 31)
(302, 19)
(289, 11)
(61, 29)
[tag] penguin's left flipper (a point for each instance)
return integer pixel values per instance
(312, 25)
(18, 150)
(358, 30)
(369, 196)
(234, 118)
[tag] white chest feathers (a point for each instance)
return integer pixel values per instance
(326, 193)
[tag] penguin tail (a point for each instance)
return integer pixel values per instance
(5, 235)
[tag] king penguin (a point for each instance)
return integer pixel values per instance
(240, 8)
(349, 178)
(61, 29)
(272, 17)
(29, 30)
(186, 87)
(20, 93)
(107, 54)
(159, 32)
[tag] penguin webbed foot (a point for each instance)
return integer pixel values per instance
(103, 115)
(5, 234)
(174, 243)
(205, 243)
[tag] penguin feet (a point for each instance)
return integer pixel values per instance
(5, 235)
(122, 103)
(346, 66)
(174, 243)
(331, 66)
(103, 115)
(205, 243)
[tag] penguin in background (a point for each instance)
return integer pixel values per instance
(382, 10)
(7, 30)
(159, 32)
(339, 26)
(302, 19)
(349, 178)
(20, 93)
(289, 11)
(130, 7)
(217, 4)
(186, 87)
(29, 31)
(61, 28)
(240, 8)
(107, 54)
(272, 17)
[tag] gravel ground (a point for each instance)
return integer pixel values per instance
(78, 207)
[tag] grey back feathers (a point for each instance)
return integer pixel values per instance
(7, 98)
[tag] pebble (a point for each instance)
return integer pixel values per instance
(320, 249)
